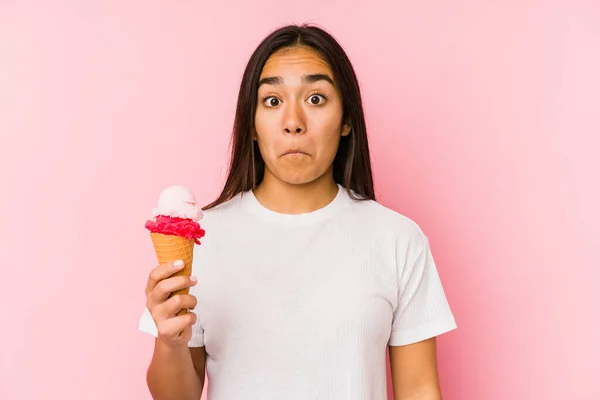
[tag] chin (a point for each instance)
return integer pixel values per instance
(295, 174)
(297, 180)
(298, 177)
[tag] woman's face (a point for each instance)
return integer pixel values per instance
(298, 119)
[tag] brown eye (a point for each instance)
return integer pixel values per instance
(271, 101)
(316, 99)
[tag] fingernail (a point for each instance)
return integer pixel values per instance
(178, 263)
(193, 279)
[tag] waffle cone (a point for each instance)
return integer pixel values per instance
(170, 248)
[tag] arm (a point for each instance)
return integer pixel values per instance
(414, 371)
(176, 372)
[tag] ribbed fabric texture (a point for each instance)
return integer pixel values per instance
(303, 306)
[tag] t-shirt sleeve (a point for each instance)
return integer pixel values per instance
(422, 310)
(147, 325)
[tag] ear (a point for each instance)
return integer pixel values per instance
(346, 128)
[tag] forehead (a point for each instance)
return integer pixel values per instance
(295, 61)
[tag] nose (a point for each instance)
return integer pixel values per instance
(294, 122)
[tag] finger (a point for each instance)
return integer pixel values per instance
(169, 308)
(167, 286)
(171, 328)
(161, 272)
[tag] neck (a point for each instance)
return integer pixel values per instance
(288, 198)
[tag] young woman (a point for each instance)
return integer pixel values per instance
(303, 281)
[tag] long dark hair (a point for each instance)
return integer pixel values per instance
(352, 163)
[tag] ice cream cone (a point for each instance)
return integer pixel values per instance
(170, 248)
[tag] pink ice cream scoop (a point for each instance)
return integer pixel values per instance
(177, 213)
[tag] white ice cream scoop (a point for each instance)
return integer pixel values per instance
(178, 201)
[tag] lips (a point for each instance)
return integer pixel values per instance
(293, 152)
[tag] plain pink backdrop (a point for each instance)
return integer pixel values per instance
(484, 123)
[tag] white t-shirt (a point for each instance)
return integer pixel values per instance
(302, 306)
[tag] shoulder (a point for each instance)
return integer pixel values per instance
(389, 222)
(222, 212)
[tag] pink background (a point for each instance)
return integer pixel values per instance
(484, 123)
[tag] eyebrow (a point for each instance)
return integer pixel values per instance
(306, 79)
